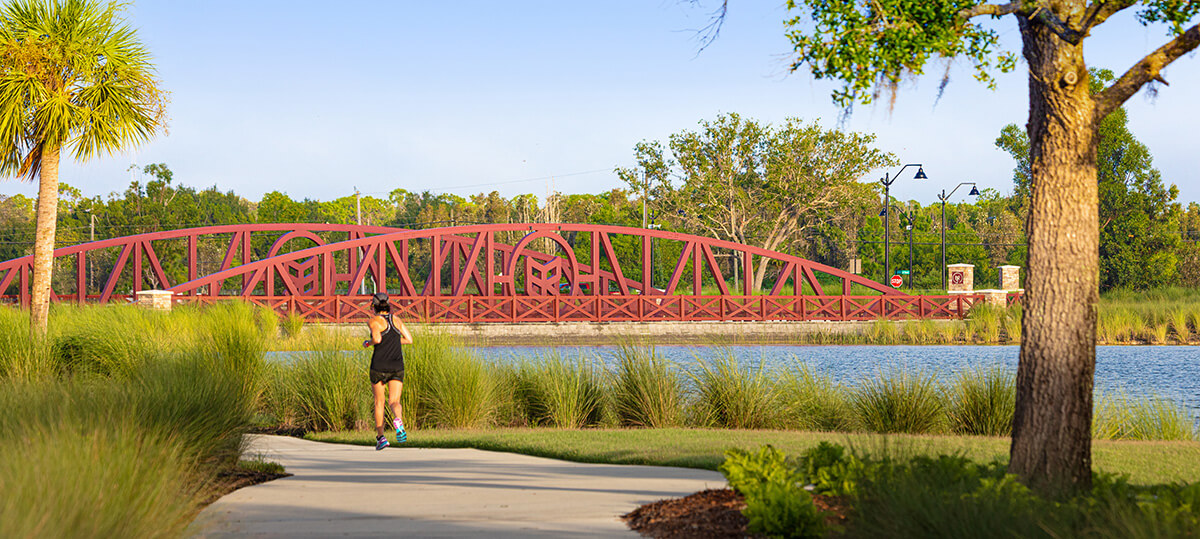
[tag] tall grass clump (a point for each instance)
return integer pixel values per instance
(329, 389)
(456, 389)
(1121, 417)
(76, 480)
(292, 325)
(898, 401)
(1179, 323)
(983, 325)
(950, 331)
(729, 395)
(559, 392)
(647, 391)
(982, 402)
(884, 331)
(811, 401)
(1012, 323)
(114, 339)
(919, 331)
(21, 356)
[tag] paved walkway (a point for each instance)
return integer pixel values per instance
(354, 490)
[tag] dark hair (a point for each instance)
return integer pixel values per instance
(379, 302)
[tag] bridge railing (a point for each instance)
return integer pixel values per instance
(509, 309)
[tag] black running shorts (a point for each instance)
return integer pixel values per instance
(382, 377)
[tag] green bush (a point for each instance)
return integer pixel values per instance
(898, 401)
(458, 391)
(982, 402)
(646, 390)
(776, 503)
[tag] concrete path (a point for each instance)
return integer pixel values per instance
(354, 490)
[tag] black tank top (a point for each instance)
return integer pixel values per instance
(388, 356)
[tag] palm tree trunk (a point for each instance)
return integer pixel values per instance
(43, 246)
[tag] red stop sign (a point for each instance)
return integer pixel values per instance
(897, 281)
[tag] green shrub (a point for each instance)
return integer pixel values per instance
(783, 510)
(729, 395)
(810, 401)
(776, 503)
(884, 331)
(899, 401)
(646, 390)
(982, 402)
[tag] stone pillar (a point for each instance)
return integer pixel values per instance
(1010, 277)
(158, 300)
(962, 278)
(999, 298)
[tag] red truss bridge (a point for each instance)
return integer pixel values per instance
(524, 272)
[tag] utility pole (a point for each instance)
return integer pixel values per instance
(362, 287)
(92, 228)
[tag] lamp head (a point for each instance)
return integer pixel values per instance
(883, 212)
(974, 191)
(920, 174)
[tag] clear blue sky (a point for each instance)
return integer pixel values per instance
(317, 98)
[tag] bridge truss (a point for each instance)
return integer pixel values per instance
(526, 272)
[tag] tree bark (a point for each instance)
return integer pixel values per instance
(1051, 443)
(43, 246)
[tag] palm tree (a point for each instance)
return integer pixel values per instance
(74, 77)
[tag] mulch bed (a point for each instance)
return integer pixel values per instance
(711, 514)
(231, 480)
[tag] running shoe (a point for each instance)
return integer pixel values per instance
(380, 443)
(401, 435)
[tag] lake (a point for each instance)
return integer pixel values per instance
(1171, 372)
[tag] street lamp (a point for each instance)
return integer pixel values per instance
(887, 184)
(943, 197)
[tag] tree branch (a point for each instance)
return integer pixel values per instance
(995, 10)
(1146, 70)
(1031, 10)
(1100, 11)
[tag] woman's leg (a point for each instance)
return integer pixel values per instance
(395, 387)
(377, 389)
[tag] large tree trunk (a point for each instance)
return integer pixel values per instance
(43, 245)
(1051, 443)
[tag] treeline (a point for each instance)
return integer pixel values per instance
(795, 188)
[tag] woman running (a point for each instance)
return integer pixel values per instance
(387, 366)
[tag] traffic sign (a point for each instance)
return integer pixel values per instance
(897, 281)
(902, 272)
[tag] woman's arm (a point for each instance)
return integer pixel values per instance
(374, 324)
(405, 336)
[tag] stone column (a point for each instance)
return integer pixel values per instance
(962, 278)
(1010, 278)
(158, 300)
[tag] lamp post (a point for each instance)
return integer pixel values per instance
(907, 216)
(943, 197)
(887, 184)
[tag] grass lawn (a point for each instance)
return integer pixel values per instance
(1146, 463)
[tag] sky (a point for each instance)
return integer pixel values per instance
(318, 99)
